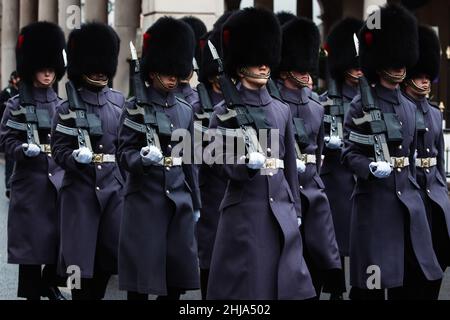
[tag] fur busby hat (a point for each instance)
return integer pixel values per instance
(301, 45)
(169, 46)
(94, 48)
(284, 17)
(251, 37)
(199, 29)
(429, 54)
(40, 45)
(340, 46)
(222, 19)
(392, 44)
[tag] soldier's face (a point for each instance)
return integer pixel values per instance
(164, 82)
(423, 82)
(98, 77)
(255, 77)
(45, 78)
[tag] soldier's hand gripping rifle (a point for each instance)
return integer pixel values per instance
(154, 122)
(385, 127)
(247, 119)
(34, 119)
(334, 110)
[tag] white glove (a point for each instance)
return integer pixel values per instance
(380, 169)
(151, 155)
(299, 222)
(31, 150)
(333, 143)
(301, 166)
(83, 155)
(196, 216)
(256, 161)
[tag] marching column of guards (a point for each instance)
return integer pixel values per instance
(114, 186)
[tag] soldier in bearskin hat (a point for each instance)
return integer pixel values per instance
(33, 224)
(430, 159)
(258, 247)
(158, 254)
(84, 143)
(391, 245)
(184, 89)
(344, 73)
(299, 59)
(212, 183)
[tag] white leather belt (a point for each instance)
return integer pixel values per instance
(426, 162)
(308, 158)
(274, 164)
(169, 162)
(104, 158)
(401, 162)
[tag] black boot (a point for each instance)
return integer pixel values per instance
(336, 297)
(53, 293)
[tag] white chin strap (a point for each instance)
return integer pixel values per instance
(95, 83)
(299, 82)
(252, 75)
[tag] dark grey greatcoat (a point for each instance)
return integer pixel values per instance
(212, 188)
(339, 184)
(33, 225)
(90, 202)
(258, 252)
(320, 239)
(433, 181)
(157, 243)
(383, 207)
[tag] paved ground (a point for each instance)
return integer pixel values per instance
(8, 273)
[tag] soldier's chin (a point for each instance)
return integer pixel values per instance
(258, 81)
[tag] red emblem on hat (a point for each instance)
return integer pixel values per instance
(147, 38)
(368, 37)
(20, 41)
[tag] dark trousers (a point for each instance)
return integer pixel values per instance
(92, 289)
(33, 281)
(173, 294)
(204, 275)
(415, 285)
(328, 281)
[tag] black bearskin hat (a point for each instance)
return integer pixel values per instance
(301, 45)
(40, 45)
(199, 29)
(284, 17)
(394, 44)
(222, 19)
(169, 46)
(429, 54)
(94, 48)
(340, 45)
(251, 37)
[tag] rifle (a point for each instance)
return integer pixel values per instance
(246, 118)
(154, 122)
(335, 110)
(384, 126)
(78, 111)
(34, 119)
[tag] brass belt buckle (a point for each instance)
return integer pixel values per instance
(271, 163)
(426, 162)
(168, 162)
(98, 158)
(400, 162)
(46, 148)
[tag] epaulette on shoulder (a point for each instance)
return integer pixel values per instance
(182, 101)
(315, 97)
